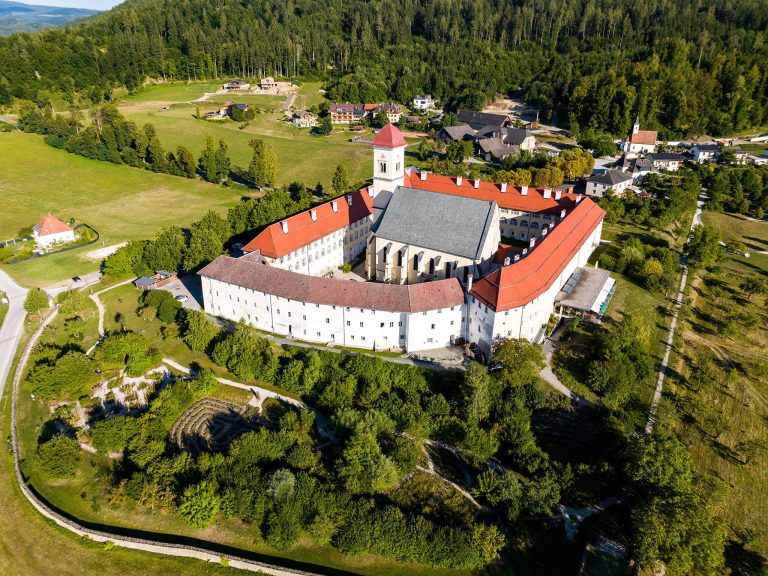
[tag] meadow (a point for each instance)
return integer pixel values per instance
(121, 203)
(722, 416)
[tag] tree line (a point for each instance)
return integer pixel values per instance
(110, 137)
(686, 67)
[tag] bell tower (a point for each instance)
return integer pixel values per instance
(388, 166)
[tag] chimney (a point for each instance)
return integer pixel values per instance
(370, 194)
(458, 180)
(476, 183)
(544, 232)
(551, 225)
(547, 193)
(503, 187)
(423, 174)
(335, 206)
(562, 213)
(524, 190)
(517, 257)
(349, 199)
(507, 261)
(469, 282)
(532, 242)
(558, 194)
(313, 215)
(284, 226)
(525, 251)
(578, 198)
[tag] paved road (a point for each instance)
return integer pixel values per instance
(85, 280)
(671, 335)
(13, 325)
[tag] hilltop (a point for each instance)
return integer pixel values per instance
(18, 17)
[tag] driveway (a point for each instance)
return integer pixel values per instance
(13, 325)
(85, 280)
(189, 286)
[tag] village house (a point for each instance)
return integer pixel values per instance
(614, 180)
(236, 84)
(423, 102)
(304, 119)
(666, 161)
(393, 112)
(480, 120)
(268, 83)
(437, 271)
(455, 134)
(705, 152)
(639, 141)
(52, 231)
(636, 167)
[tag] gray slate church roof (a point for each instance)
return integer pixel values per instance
(451, 224)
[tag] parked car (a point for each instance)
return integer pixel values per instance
(76, 279)
(182, 298)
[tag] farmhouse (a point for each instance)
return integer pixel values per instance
(268, 83)
(51, 231)
(455, 134)
(436, 273)
(392, 112)
(304, 119)
(236, 84)
(480, 120)
(614, 180)
(639, 141)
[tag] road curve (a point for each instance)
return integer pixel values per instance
(13, 326)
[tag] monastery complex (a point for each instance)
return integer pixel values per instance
(446, 259)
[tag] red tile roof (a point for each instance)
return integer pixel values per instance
(389, 137)
(253, 274)
(512, 199)
(51, 225)
(520, 282)
(643, 137)
(302, 230)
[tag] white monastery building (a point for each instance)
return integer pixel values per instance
(437, 269)
(52, 231)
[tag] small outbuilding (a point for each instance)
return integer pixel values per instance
(160, 278)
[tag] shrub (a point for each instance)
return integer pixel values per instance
(58, 458)
(36, 301)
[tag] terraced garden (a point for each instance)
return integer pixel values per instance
(211, 424)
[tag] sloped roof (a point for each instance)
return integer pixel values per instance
(459, 132)
(389, 137)
(611, 177)
(51, 225)
(512, 199)
(666, 156)
(516, 135)
(252, 274)
(480, 119)
(451, 224)
(643, 137)
(302, 230)
(520, 282)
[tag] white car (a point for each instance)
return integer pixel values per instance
(182, 298)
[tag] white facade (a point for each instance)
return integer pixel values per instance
(598, 189)
(388, 174)
(327, 253)
(486, 327)
(704, 155)
(55, 238)
(423, 102)
(325, 324)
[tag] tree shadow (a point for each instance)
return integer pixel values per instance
(744, 562)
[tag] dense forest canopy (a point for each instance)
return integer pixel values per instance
(685, 66)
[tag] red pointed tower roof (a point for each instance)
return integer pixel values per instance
(389, 137)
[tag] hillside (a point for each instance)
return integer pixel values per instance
(18, 17)
(687, 67)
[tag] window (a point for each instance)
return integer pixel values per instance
(432, 266)
(433, 326)
(416, 263)
(382, 166)
(318, 334)
(289, 314)
(327, 320)
(400, 324)
(362, 338)
(391, 324)
(361, 325)
(303, 316)
(397, 167)
(349, 323)
(382, 325)
(400, 258)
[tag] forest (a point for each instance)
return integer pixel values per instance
(687, 67)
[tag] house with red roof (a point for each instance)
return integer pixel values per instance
(639, 141)
(52, 231)
(447, 259)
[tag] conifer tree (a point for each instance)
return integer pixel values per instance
(207, 163)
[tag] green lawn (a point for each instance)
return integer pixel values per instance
(121, 203)
(268, 101)
(737, 228)
(301, 156)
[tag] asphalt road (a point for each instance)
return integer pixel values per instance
(13, 325)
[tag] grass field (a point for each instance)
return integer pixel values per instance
(3, 308)
(174, 92)
(121, 203)
(301, 156)
(723, 421)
